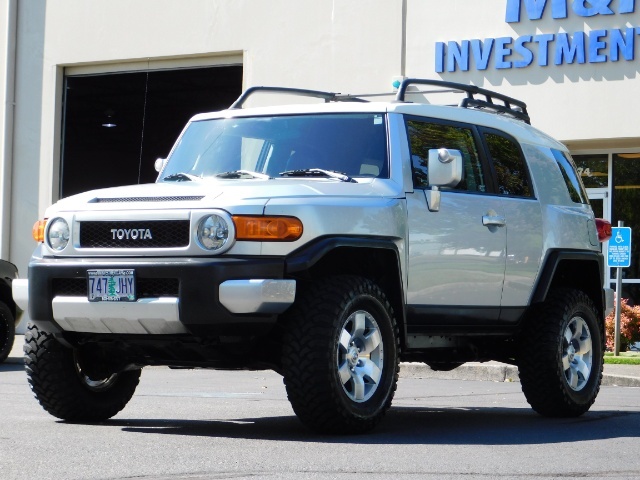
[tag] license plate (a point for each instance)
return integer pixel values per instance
(111, 285)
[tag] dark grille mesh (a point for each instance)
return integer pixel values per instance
(184, 198)
(163, 233)
(145, 287)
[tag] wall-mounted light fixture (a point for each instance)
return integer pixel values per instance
(109, 122)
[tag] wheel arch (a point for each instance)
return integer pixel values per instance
(573, 269)
(375, 258)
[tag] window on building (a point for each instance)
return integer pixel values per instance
(116, 125)
(593, 169)
(613, 179)
(626, 199)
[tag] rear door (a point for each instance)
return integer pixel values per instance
(523, 215)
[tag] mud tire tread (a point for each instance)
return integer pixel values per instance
(540, 366)
(58, 388)
(308, 360)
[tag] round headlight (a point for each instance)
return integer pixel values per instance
(58, 234)
(213, 233)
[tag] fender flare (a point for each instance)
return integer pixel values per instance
(551, 265)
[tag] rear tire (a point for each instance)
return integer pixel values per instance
(340, 355)
(58, 382)
(562, 354)
(7, 331)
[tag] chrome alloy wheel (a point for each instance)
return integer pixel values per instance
(577, 353)
(360, 356)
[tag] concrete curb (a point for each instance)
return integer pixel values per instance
(614, 375)
(488, 372)
(624, 376)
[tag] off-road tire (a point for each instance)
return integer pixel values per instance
(7, 331)
(59, 385)
(321, 343)
(552, 371)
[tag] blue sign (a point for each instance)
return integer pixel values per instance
(544, 49)
(619, 247)
(535, 8)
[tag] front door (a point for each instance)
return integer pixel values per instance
(455, 260)
(457, 253)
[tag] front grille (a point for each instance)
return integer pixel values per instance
(145, 287)
(139, 234)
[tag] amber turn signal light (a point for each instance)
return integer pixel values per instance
(259, 228)
(38, 230)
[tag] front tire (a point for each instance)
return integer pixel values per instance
(562, 355)
(60, 384)
(340, 355)
(7, 331)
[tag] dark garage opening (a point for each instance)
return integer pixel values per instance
(116, 125)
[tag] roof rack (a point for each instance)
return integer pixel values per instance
(327, 96)
(510, 106)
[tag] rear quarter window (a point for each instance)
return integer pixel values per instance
(509, 164)
(570, 175)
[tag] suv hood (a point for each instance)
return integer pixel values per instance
(221, 193)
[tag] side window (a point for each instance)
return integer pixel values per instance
(510, 167)
(570, 175)
(424, 136)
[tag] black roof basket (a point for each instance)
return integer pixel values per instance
(510, 106)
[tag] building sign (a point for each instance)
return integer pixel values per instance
(544, 49)
(619, 254)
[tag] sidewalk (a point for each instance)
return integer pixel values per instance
(618, 375)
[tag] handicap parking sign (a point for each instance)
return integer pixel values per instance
(619, 253)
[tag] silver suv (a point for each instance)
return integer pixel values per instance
(328, 242)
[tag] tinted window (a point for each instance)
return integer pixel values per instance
(570, 175)
(425, 136)
(511, 170)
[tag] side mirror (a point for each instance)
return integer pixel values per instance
(445, 170)
(159, 164)
(445, 167)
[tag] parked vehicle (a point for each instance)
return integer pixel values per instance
(9, 313)
(328, 242)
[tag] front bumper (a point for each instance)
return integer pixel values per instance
(212, 296)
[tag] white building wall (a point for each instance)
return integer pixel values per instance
(342, 45)
(572, 101)
(8, 16)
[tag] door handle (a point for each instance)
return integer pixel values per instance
(493, 219)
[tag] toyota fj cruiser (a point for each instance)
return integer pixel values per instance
(328, 242)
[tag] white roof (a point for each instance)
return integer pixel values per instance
(520, 130)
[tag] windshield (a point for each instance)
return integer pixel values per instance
(352, 144)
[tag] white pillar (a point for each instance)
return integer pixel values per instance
(8, 16)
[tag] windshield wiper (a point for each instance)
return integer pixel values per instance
(243, 174)
(181, 177)
(318, 172)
